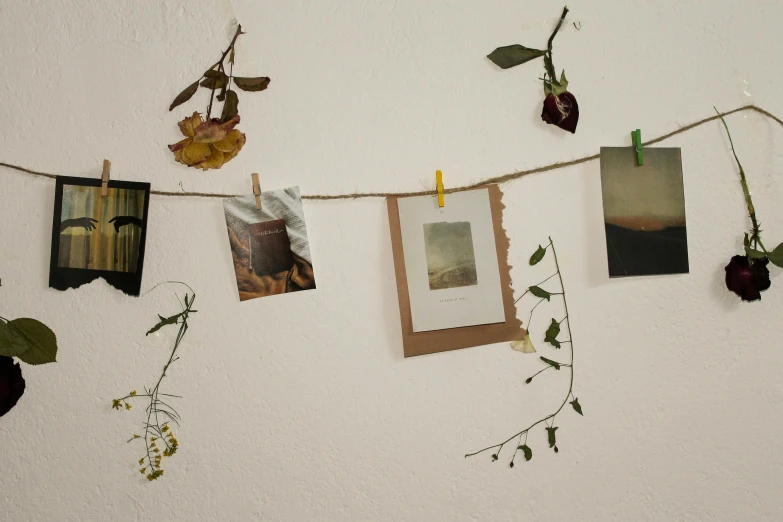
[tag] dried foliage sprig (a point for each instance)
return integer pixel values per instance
(159, 412)
(526, 346)
(210, 142)
(30, 341)
(560, 107)
(748, 275)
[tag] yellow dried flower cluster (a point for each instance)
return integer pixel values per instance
(154, 456)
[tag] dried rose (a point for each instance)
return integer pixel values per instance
(208, 144)
(747, 280)
(11, 384)
(561, 110)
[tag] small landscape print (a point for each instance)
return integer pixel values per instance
(644, 212)
(451, 262)
(98, 236)
(269, 247)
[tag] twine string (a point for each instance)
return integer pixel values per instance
(495, 179)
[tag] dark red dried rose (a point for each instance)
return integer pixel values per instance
(561, 110)
(11, 384)
(747, 280)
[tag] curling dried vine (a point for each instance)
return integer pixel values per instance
(526, 346)
(158, 433)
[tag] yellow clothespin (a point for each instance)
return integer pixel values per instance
(105, 178)
(256, 190)
(439, 183)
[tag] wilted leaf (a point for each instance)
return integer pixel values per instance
(776, 256)
(12, 344)
(527, 451)
(551, 334)
(755, 254)
(163, 322)
(40, 340)
(230, 106)
(550, 362)
(563, 80)
(537, 256)
(214, 80)
(577, 406)
(252, 84)
(184, 95)
(551, 436)
(512, 55)
(550, 69)
(540, 292)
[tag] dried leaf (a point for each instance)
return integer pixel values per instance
(550, 362)
(214, 80)
(577, 406)
(40, 339)
(12, 344)
(551, 334)
(513, 55)
(540, 292)
(163, 322)
(537, 256)
(551, 436)
(184, 95)
(252, 84)
(527, 451)
(776, 256)
(230, 106)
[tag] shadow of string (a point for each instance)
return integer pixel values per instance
(496, 179)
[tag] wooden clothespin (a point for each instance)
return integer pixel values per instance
(636, 137)
(256, 190)
(439, 184)
(105, 178)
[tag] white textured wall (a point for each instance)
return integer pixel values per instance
(301, 407)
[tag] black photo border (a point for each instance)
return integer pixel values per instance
(62, 278)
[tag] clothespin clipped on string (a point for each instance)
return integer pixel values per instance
(105, 178)
(256, 190)
(439, 185)
(636, 137)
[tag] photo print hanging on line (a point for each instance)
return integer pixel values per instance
(269, 247)
(453, 278)
(644, 212)
(96, 236)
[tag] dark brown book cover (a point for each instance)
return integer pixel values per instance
(270, 248)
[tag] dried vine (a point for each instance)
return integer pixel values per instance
(155, 431)
(526, 346)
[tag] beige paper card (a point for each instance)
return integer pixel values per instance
(453, 263)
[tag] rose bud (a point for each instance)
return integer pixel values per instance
(747, 280)
(11, 384)
(561, 110)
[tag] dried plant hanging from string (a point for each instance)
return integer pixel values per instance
(554, 337)
(209, 142)
(748, 275)
(28, 340)
(157, 433)
(560, 107)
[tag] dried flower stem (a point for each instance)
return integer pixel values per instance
(153, 429)
(219, 64)
(570, 366)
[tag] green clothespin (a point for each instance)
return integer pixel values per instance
(636, 137)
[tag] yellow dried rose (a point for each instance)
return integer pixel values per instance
(207, 144)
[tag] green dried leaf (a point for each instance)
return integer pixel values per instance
(550, 362)
(214, 80)
(776, 256)
(12, 344)
(550, 432)
(551, 334)
(550, 69)
(746, 241)
(252, 84)
(40, 340)
(539, 292)
(577, 406)
(163, 322)
(513, 55)
(752, 253)
(527, 451)
(184, 95)
(230, 106)
(537, 256)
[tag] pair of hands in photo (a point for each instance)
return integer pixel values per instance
(88, 224)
